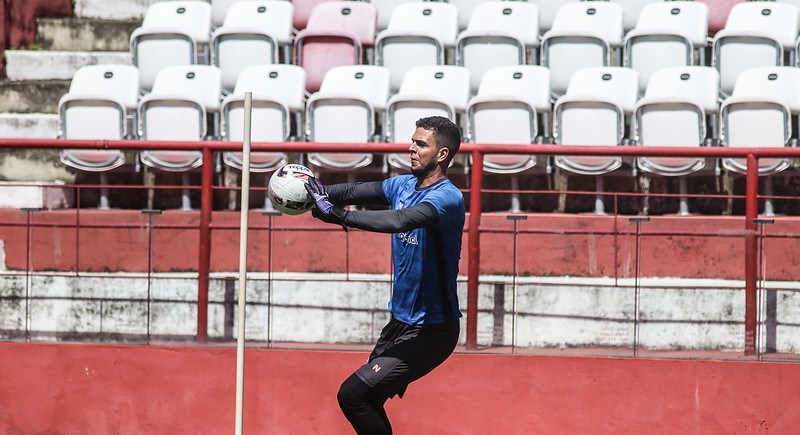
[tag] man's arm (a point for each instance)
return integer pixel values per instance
(390, 221)
(370, 193)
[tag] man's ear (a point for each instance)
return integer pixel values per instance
(443, 153)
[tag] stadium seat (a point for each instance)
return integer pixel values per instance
(337, 33)
(418, 34)
(674, 112)
(667, 34)
(251, 35)
(547, 11)
(759, 114)
(756, 34)
(499, 33)
(353, 96)
(176, 111)
(584, 34)
(506, 111)
(594, 111)
(172, 33)
(278, 94)
(434, 90)
(100, 104)
(385, 9)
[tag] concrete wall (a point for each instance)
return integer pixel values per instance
(80, 389)
(329, 308)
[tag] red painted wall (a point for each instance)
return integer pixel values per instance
(548, 244)
(88, 389)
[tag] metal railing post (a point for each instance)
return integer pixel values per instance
(515, 218)
(751, 257)
(150, 213)
(762, 317)
(474, 249)
(270, 215)
(204, 251)
(638, 220)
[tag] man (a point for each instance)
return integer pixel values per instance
(427, 220)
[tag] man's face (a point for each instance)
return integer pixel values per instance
(425, 153)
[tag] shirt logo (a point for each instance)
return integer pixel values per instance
(400, 205)
(376, 368)
(407, 238)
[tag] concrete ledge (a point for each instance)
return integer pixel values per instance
(85, 34)
(56, 65)
(31, 96)
(29, 125)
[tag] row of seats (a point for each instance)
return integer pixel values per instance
(582, 34)
(601, 104)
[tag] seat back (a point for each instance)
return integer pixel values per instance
(465, 10)
(583, 35)
(759, 114)
(349, 95)
(335, 34)
(278, 93)
(219, 10)
(302, 12)
(505, 111)
(176, 111)
(499, 33)
(756, 34)
(593, 112)
(100, 101)
(417, 34)
(718, 11)
(438, 90)
(667, 34)
(171, 34)
(674, 113)
(251, 35)
(386, 8)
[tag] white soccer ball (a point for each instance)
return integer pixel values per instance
(287, 189)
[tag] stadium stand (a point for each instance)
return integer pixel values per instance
(418, 34)
(172, 33)
(499, 33)
(354, 96)
(337, 33)
(251, 35)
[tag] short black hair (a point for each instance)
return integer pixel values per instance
(447, 133)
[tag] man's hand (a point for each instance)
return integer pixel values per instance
(324, 210)
(317, 191)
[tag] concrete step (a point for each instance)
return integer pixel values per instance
(31, 96)
(85, 34)
(29, 125)
(57, 65)
(112, 9)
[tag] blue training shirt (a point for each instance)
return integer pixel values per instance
(426, 259)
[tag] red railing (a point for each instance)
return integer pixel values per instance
(477, 152)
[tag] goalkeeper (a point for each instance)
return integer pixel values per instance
(427, 221)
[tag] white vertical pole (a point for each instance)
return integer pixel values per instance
(245, 202)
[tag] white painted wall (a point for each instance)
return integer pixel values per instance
(308, 308)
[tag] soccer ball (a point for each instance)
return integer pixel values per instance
(287, 189)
